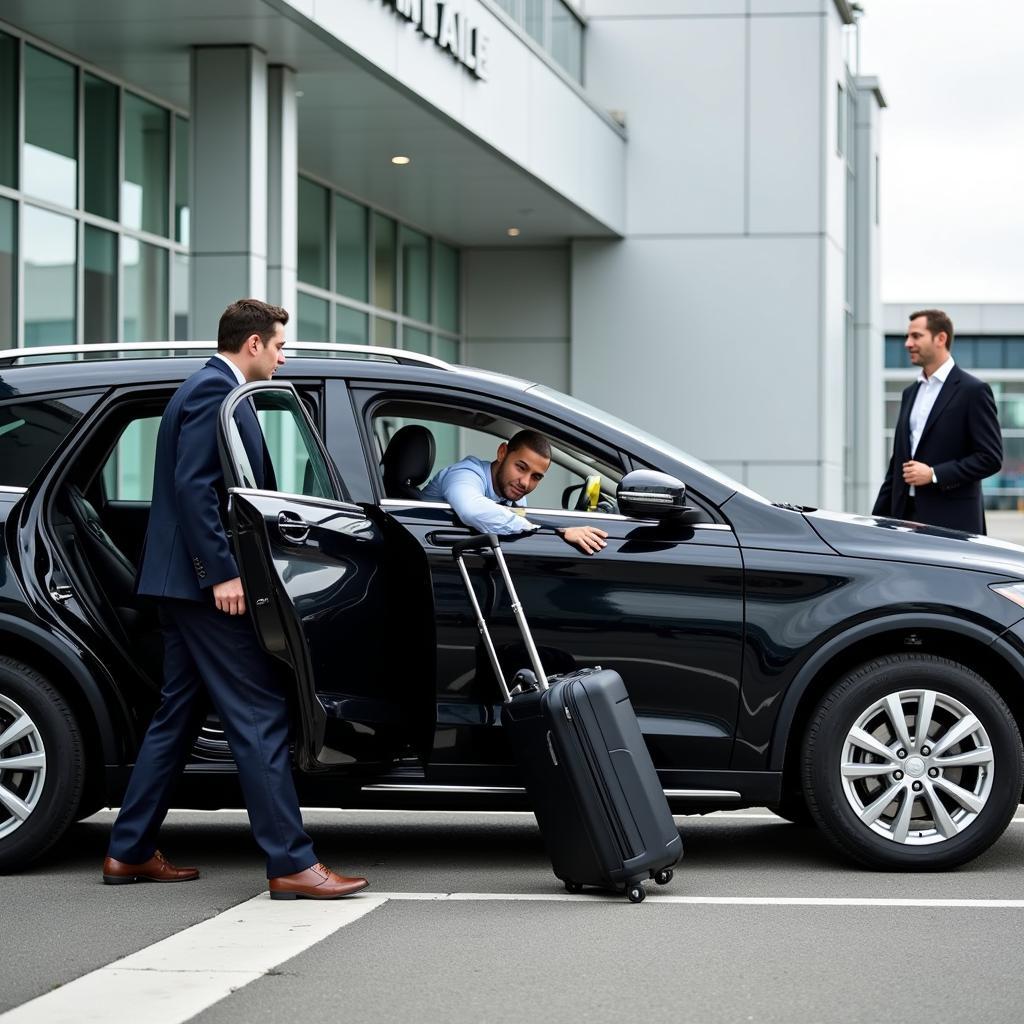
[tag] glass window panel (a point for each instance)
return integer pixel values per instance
(180, 295)
(299, 465)
(533, 19)
(989, 352)
(352, 249)
(8, 272)
(48, 250)
(416, 341)
(313, 230)
(145, 291)
(511, 7)
(415, 249)
(567, 40)
(965, 354)
(384, 332)
(895, 354)
(312, 324)
(99, 286)
(144, 195)
(100, 131)
(383, 261)
(50, 168)
(892, 412)
(182, 191)
(446, 269)
(350, 326)
(1014, 353)
(446, 349)
(8, 110)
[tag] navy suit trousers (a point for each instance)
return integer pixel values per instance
(206, 649)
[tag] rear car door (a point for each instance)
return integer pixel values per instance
(329, 587)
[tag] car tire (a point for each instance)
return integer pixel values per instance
(894, 800)
(42, 765)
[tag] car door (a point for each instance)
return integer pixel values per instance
(663, 605)
(333, 587)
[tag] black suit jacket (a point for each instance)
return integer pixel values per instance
(187, 549)
(962, 443)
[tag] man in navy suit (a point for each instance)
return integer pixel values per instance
(209, 641)
(947, 436)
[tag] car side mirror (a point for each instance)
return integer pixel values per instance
(647, 494)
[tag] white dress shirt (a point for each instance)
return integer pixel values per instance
(927, 393)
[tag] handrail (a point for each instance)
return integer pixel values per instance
(13, 355)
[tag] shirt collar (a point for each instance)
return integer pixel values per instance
(239, 376)
(940, 374)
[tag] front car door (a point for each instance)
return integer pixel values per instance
(335, 590)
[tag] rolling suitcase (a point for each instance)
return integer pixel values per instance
(596, 795)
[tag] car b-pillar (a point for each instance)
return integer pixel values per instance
(232, 159)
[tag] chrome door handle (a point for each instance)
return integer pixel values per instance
(292, 528)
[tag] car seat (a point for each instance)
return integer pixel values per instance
(407, 462)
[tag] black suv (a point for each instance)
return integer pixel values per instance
(865, 672)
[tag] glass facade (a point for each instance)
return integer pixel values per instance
(94, 219)
(971, 351)
(554, 26)
(366, 279)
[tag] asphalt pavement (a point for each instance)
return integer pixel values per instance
(468, 924)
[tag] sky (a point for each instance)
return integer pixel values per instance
(952, 150)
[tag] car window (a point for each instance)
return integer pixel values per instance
(299, 467)
(30, 432)
(459, 431)
(128, 471)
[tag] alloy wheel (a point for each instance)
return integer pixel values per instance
(22, 766)
(917, 767)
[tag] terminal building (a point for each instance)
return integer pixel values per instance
(668, 208)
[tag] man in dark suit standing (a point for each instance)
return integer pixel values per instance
(209, 641)
(947, 436)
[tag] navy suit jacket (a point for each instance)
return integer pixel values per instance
(187, 549)
(962, 443)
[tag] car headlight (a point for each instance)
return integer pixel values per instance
(1011, 591)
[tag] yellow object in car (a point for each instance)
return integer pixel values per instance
(592, 489)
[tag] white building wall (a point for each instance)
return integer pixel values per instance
(717, 321)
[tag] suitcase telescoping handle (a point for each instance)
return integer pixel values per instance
(490, 541)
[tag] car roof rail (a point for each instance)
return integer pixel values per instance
(75, 353)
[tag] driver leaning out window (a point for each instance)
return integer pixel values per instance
(491, 496)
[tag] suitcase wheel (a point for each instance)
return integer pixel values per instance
(636, 893)
(664, 876)
(573, 887)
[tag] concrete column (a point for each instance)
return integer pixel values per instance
(229, 174)
(282, 188)
(869, 455)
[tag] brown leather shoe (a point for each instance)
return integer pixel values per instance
(316, 883)
(156, 869)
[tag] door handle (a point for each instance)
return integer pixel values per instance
(292, 527)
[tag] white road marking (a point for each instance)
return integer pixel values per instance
(726, 901)
(178, 977)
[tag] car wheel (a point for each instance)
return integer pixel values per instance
(41, 765)
(912, 762)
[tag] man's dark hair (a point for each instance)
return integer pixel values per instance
(247, 317)
(531, 439)
(937, 321)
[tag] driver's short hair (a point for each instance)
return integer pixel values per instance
(531, 439)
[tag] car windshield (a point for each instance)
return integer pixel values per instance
(652, 441)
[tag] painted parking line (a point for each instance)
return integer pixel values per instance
(181, 976)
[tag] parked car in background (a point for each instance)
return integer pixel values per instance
(863, 673)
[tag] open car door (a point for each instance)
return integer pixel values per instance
(334, 589)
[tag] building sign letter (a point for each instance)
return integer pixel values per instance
(449, 28)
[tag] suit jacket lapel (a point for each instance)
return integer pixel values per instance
(946, 393)
(903, 423)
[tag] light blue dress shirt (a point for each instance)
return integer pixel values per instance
(468, 488)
